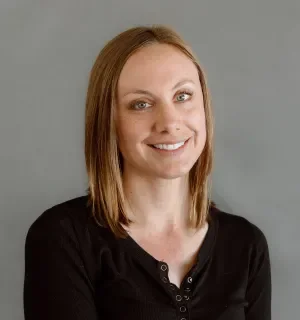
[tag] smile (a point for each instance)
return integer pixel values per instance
(169, 148)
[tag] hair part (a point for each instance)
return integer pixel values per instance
(104, 161)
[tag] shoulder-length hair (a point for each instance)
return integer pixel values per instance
(104, 161)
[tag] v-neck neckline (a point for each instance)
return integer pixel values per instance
(151, 263)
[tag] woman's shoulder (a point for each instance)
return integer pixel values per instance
(71, 218)
(61, 213)
(237, 227)
(61, 245)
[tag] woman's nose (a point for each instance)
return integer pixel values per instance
(168, 118)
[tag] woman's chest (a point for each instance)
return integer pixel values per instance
(136, 293)
(178, 255)
(137, 282)
(178, 252)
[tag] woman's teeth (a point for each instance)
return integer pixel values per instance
(169, 146)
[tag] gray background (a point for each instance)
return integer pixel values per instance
(250, 51)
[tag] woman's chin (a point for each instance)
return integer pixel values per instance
(171, 173)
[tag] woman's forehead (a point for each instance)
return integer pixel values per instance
(156, 65)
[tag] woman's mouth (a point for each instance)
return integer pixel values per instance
(168, 148)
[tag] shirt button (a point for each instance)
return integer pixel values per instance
(163, 267)
(186, 297)
(182, 309)
(172, 287)
(164, 279)
(183, 319)
(178, 297)
(190, 279)
(187, 289)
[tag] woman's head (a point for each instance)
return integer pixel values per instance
(146, 87)
(159, 105)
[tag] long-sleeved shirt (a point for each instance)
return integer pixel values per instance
(77, 270)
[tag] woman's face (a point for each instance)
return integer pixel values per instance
(160, 102)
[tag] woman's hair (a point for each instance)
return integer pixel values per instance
(104, 161)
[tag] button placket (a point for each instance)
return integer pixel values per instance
(172, 287)
(183, 311)
(164, 267)
(181, 296)
(163, 272)
(183, 300)
(165, 279)
(186, 295)
(178, 297)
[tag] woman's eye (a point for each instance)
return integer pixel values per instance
(183, 96)
(139, 105)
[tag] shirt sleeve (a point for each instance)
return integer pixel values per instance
(56, 283)
(258, 292)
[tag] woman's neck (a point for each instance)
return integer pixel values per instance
(157, 204)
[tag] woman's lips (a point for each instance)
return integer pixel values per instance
(175, 152)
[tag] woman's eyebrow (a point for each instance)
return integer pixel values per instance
(146, 92)
(138, 91)
(181, 82)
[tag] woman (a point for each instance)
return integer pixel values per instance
(146, 242)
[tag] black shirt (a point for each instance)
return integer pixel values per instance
(76, 270)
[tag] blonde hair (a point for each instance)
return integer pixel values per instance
(103, 159)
